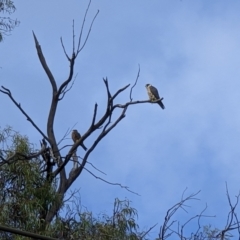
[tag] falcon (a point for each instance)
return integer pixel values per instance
(153, 95)
(76, 136)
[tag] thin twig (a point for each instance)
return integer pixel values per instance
(97, 168)
(64, 90)
(81, 32)
(64, 136)
(64, 50)
(66, 82)
(73, 50)
(79, 48)
(148, 231)
(88, 34)
(135, 83)
(116, 184)
(119, 91)
(196, 216)
(171, 211)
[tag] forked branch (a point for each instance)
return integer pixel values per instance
(232, 219)
(168, 228)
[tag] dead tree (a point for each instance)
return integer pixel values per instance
(172, 227)
(55, 160)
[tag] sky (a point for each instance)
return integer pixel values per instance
(189, 50)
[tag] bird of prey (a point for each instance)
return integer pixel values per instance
(76, 136)
(153, 95)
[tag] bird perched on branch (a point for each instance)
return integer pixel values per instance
(153, 95)
(76, 136)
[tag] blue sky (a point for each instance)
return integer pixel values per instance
(189, 50)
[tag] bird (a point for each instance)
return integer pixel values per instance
(153, 95)
(76, 136)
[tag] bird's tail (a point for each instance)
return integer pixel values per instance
(161, 104)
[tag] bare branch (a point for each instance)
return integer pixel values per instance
(135, 83)
(119, 91)
(53, 108)
(65, 83)
(64, 90)
(199, 216)
(81, 32)
(105, 80)
(73, 36)
(79, 48)
(64, 50)
(8, 92)
(94, 115)
(166, 225)
(231, 217)
(135, 102)
(116, 184)
(87, 34)
(44, 64)
(72, 194)
(150, 229)
(232, 222)
(64, 137)
(97, 168)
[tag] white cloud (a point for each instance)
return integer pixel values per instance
(188, 50)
